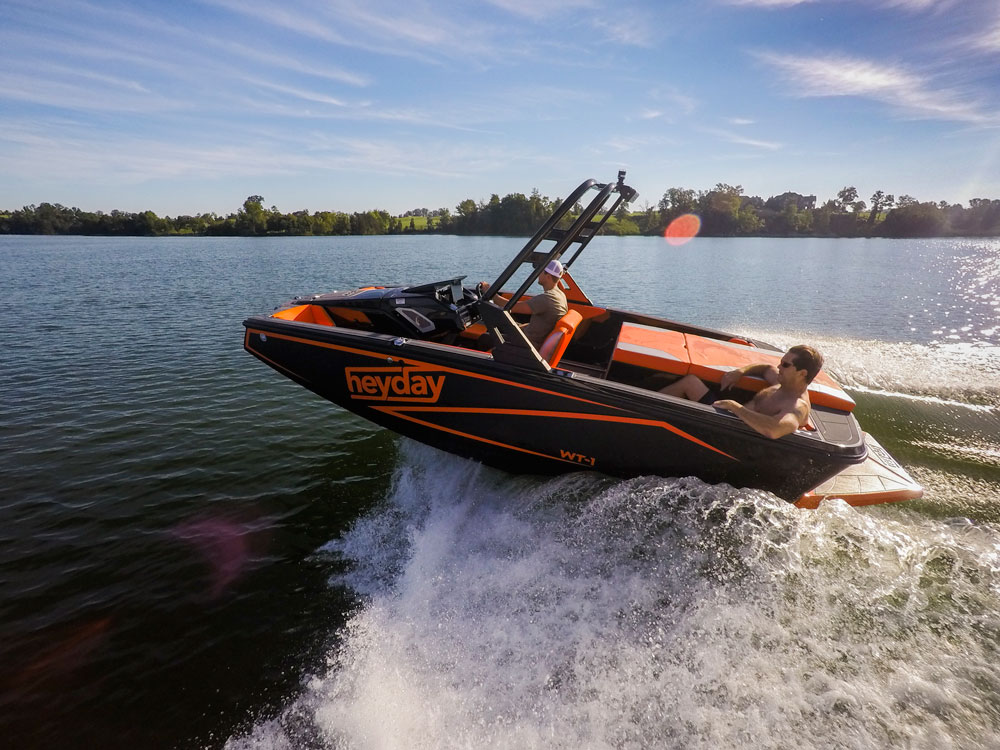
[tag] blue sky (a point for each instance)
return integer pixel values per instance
(187, 106)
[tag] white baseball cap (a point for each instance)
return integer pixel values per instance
(555, 268)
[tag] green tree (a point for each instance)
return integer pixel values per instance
(747, 219)
(880, 202)
(914, 220)
(677, 201)
(467, 209)
(720, 210)
(847, 197)
(251, 219)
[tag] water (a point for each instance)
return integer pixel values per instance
(195, 552)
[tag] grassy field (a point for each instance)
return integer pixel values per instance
(419, 222)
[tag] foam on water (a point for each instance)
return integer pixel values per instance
(956, 373)
(583, 611)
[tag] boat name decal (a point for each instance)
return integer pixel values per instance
(393, 384)
(578, 457)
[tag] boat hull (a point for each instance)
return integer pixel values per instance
(546, 422)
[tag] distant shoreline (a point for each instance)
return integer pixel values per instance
(189, 235)
(722, 212)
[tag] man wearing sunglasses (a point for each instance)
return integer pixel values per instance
(779, 409)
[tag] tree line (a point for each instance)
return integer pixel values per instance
(724, 211)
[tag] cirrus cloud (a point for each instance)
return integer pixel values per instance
(913, 95)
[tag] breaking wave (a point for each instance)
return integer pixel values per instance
(504, 612)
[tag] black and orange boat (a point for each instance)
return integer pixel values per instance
(448, 365)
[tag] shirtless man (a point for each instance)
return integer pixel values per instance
(779, 409)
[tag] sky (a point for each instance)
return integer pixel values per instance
(191, 106)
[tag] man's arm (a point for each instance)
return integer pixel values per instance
(521, 307)
(732, 377)
(772, 427)
(532, 305)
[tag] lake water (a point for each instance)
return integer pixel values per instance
(196, 552)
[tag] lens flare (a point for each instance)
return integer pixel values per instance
(683, 229)
(225, 545)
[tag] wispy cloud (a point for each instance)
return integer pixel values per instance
(69, 95)
(538, 10)
(305, 24)
(623, 144)
(629, 28)
(989, 40)
(130, 33)
(397, 29)
(83, 74)
(912, 5)
(743, 140)
(287, 62)
(921, 5)
(75, 152)
(912, 94)
(769, 3)
(311, 96)
(671, 102)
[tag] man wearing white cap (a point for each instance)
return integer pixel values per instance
(546, 308)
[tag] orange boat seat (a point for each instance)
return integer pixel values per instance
(555, 344)
(653, 348)
(677, 353)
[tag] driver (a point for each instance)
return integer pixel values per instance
(545, 308)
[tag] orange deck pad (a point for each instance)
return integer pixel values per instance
(680, 354)
(711, 358)
(653, 348)
(305, 314)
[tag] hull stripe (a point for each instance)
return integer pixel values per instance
(397, 412)
(393, 412)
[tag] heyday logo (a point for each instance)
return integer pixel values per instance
(393, 384)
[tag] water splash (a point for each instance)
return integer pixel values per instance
(583, 611)
(966, 374)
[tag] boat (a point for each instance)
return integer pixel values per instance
(447, 364)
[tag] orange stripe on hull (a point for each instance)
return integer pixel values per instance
(547, 414)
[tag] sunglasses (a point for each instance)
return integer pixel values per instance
(786, 364)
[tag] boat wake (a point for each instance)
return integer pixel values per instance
(959, 374)
(514, 612)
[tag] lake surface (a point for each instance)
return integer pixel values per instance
(196, 552)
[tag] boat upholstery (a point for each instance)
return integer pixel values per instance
(305, 314)
(682, 353)
(555, 344)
